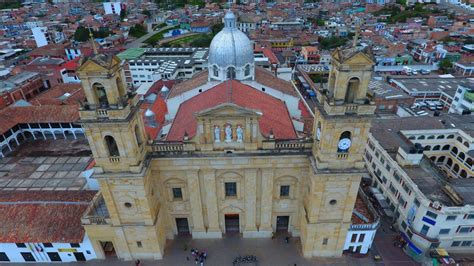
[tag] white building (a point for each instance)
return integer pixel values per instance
(423, 168)
(365, 223)
(44, 226)
(112, 8)
(44, 37)
(463, 100)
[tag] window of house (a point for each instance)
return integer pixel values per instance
(470, 216)
(325, 241)
(417, 203)
(455, 243)
(451, 217)
(362, 237)
(4, 257)
(139, 244)
(20, 245)
(431, 214)
(434, 245)
(284, 191)
(47, 245)
(444, 231)
(464, 229)
(27, 256)
(75, 245)
(404, 225)
(409, 234)
(466, 243)
(424, 230)
(230, 189)
(353, 238)
(388, 167)
(177, 193)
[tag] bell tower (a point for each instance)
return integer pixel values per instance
(342, 122)
(111, 116)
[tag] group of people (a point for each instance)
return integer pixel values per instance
(199, 257)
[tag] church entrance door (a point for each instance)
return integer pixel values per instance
(232, 223)
(182, 226)
(282, 223)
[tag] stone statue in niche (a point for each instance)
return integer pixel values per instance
(228, 133)
(240, 134)
(217, 134)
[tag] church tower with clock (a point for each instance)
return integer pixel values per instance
(342, 122)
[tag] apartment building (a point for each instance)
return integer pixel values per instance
(463, 99)
(423, 168)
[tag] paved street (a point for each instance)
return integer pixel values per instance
(383, 245)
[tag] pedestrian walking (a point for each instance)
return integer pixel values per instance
(137, 263)
(287, 240)
(196, 260)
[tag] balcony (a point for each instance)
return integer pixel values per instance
(96, 213)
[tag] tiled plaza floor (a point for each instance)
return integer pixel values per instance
(272, 252)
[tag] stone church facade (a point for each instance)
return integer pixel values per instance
(233, 174)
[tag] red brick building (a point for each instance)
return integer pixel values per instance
(23, 86)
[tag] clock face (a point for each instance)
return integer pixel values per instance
(344, 144)
(318, 133)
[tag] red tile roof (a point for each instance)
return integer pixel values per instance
(268, 79)
(43, 216)
(11, 116)
(197, 80)
(57, 95)
(274, 117)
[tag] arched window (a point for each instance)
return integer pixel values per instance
(215, 71)
(441, 159)
(466, 144)
(433, 158)
(463, 174)
(459, 139)
(450, 137)
(427, 148)
(462, 156)
(431, 137)
(111, 146)
(454, 150)
(436, 147)
(230, 73)
(446, 147)
(101, 95)
(440, 137)
(421, 137)
(344, 142)
(469, 162)
(456, 168)
(352, 90)
(412, 137)
(138, 136)
(247, 70)
(449, 162)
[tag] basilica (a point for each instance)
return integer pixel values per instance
(232, 159)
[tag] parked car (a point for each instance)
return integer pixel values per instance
(425, 72)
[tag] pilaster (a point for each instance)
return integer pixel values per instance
(195, 202)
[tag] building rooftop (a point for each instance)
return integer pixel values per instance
(46, 61)
(17, 80)
(274, 117)
(384, 91)
(428, 177)
(43, 216)
(413, 85)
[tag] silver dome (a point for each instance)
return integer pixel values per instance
(230, 47)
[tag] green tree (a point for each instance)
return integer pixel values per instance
(445, 66)
(146, 12)
(332, 42)
(81, 34)
(216, 28)
(137, 31)
(123, 14)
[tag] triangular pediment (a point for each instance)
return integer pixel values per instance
(228, 110)
(359, 58)
(99, 63)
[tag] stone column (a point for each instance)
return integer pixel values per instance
(266, 203)
(250, 192)
(195, 202)
(213, 230)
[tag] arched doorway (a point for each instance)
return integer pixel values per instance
(352, 89)
(112, 147)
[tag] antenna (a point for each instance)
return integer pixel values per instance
(92, 41)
